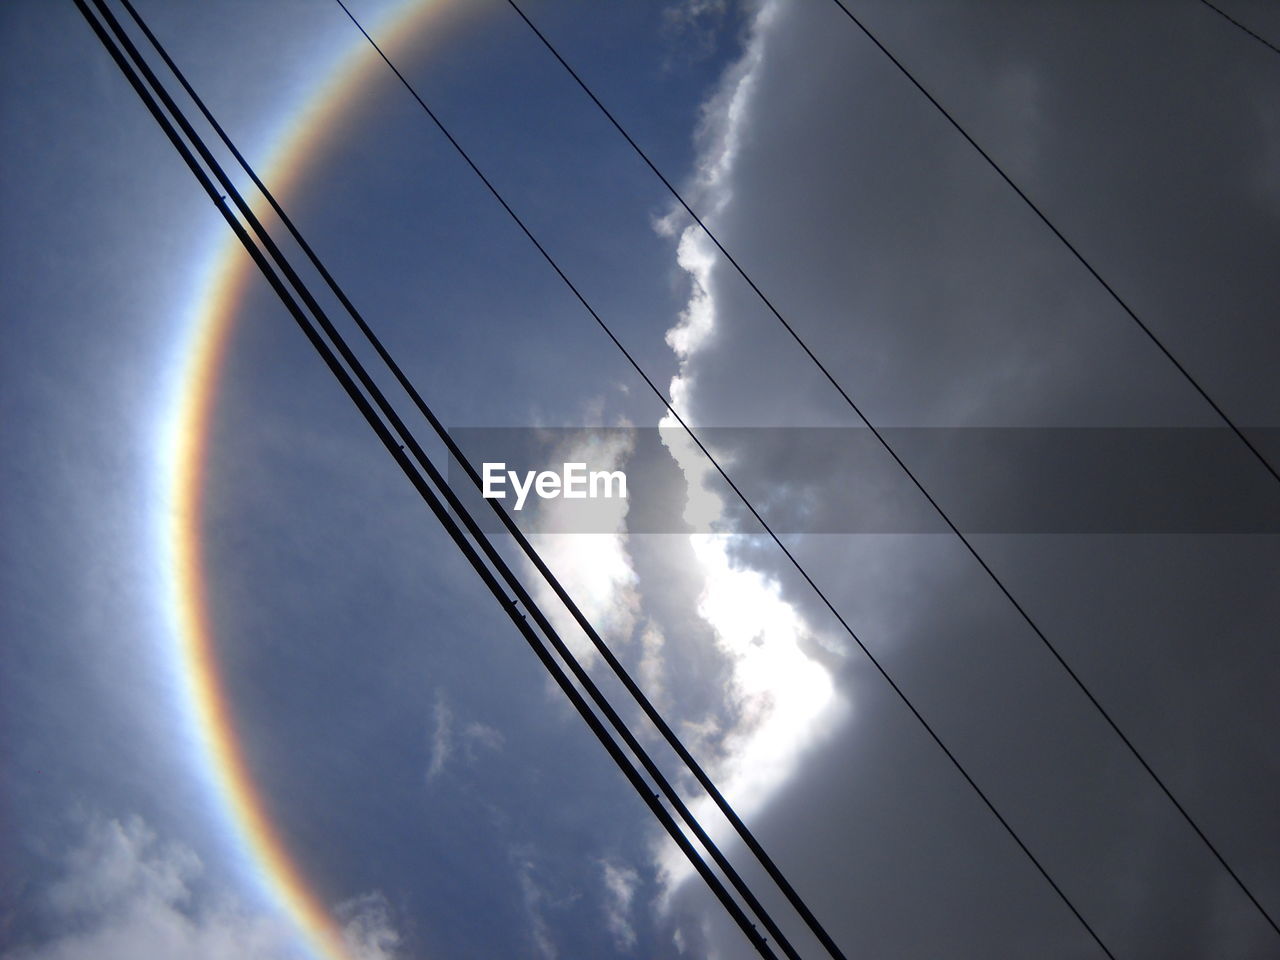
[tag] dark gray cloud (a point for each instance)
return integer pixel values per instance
(938, 300)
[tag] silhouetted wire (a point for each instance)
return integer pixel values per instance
(1230, 19)
(716, 464)
(764, 299)
(1065, 242)
(1190, 379)
(667, 788)
(390, 442)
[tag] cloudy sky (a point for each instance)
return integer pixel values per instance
(252, 693)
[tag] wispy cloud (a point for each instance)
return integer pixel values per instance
(595, 569)
(480, 736)
(782, 699)
(535, 899)
(620, 883)
(125, 895)
(452, 736)
(367, 929)
(694, 27)
(441, 737)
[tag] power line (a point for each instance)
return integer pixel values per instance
(395, 449)
(1190, 379)
(1230, 19)
(673, 796)
(531, 553)
(764, 299)
(1066, 243)
(390, 442)
(715, 463)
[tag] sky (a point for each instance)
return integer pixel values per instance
(254, 703)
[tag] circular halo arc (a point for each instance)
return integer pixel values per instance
(184, 444)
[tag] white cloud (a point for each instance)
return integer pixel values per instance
(367, 930)
(479, 736)
(780, 698)
(620, 883)
(450, 734)
(125, 895)
(652, 668)
(689, 14)
(594, 568)
(121, 862)
(694, 26)
(441, 737)
(783, 699)
(535, 899)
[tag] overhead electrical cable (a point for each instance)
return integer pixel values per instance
(465, 156)
(1075, 251)
(1239, 882)
(391, 441)
(528, 549)
(397, 452)
(1232, 20)
(884, 443)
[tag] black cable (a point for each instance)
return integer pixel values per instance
(885, 443)
(714, 462)
(1230, 19)
(1181, 369)
(616, 721)
(1066, 243)
(394, 448)
(647, 707)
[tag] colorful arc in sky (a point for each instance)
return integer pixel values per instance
(184, 445)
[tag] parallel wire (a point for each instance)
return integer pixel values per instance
(764, 299)
(1075, 251)
(1222, 861)
(396, 449)
(1230, 19)
(465, 156)
(530, 552)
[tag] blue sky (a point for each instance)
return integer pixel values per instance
(436, 792)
